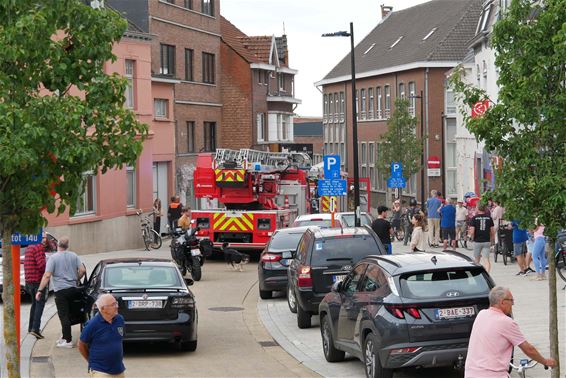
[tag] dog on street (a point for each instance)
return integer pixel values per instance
(235, 259)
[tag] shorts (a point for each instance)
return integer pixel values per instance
(481, 248)
(448, 233)
(519, 249)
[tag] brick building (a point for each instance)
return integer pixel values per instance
(405, 55)
(257, 89)
(308, 137)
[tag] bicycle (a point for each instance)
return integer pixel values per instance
(464, 238)
(398, 232)
(561, 261)
(504, 245)
(151, 238)
(524, 365)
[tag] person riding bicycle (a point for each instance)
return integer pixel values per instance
(411, 211)
(494, 334)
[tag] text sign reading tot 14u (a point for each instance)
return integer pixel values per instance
(26, 239)
(332, 187)
(331, 166)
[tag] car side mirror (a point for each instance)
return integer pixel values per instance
(337, 286)
(189, 281)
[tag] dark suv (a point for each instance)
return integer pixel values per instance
(412, 310)
(324, 257)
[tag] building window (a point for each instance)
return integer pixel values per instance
(161, 108)
(450, 102)
(412, 98)
(387, 92)
(401, 90)
(370, 103)
(262, 131)
(285, 126)
(208, 68)
(167, 60)
(357, 110)
(363, 95)
(281, 81)
(379, 108)
(189, 4)
(210, 136)
(331, 105)
(342, 104)
(189, 65)
(336, 107)
(131, 183)
(325, 107)
(170, 1)
(484, 69)
(207, 7)
(86, 203)
(129, 74)
(190, 136)
(451, 156)
(371, 164)
(478, 73)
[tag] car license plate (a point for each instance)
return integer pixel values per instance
(195, 252)
(454, 313)
(144, 304)
(338, 277)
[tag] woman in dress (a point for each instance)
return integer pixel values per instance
(157, 215)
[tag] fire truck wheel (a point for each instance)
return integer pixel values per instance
(266, 294)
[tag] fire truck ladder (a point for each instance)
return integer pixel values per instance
(249, 159)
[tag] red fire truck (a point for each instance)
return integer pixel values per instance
(259, 192)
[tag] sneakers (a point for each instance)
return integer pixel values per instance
(529, 270)
(62, 343)
(37, 335)
(521, 273)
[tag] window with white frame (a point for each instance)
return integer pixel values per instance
(364, 159)
(401, 90)
(86, 203)
(331, 105)
(342, 155)
(370, 103)
(336, 107)
(450, 102)
(161, 107)
(379, 109)
(371, 163)
(262, 132)
(451, 156)
(342, 104)
(363, 110)
(387, 92)
(281, 81)
(357, 106)
(131, 186)
(129, 74)
(412, 98)
(325, 107)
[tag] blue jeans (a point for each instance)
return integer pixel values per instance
(36, 310)
(539, 255)
(388, 249)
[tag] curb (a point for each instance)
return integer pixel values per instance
(28, 341)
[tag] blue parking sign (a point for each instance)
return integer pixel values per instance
(331, 166)
(397, 169)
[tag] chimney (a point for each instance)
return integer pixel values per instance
(385, 10)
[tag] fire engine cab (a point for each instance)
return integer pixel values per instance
(259, 192)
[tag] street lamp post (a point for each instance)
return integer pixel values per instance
(354, 121)
(422, 155)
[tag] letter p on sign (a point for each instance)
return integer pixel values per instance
(331, 167)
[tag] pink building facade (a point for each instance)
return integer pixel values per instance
(106, 218)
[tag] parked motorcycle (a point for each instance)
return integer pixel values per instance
(187, 252)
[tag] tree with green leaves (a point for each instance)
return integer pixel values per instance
(60, 115)
(400, 142)
(526, 127)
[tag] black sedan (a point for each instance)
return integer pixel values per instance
(274, 260)
(152, 297)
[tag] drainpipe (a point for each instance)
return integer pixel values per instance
(427, 187)
(443, 154)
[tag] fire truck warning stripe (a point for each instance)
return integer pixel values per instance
(248, 219)
(218, 219)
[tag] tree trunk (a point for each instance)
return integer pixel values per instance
(11, 361)
(553, 308)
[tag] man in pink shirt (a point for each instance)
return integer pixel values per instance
(493, 337)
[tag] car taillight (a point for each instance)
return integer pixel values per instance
(404, 350)
(305, 279)
(398, 311)
(182, 302)
(270, 258)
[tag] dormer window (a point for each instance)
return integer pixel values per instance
(484, 19)
(396, 42)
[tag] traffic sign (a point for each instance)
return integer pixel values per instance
(396, 182)
(332, 187)
(331, 166)
(396, 169)
(479, 108)
(433, 162)
(23, 239)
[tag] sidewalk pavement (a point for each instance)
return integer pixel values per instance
(530, 311)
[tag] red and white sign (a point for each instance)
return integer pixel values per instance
(433, 162)
(480, 108)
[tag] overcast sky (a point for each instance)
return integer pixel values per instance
(304, 21)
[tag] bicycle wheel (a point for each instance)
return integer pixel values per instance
(561, 265)
(495, 253)
(504, 255)
(468, 244)
(146, 239)
(156, 240)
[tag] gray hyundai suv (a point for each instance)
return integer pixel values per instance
(397, 311)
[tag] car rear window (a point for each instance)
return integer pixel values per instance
(285, 240)
(437, 284)
(322, 223)
(343, 246)
(141, 277)
(348, 220)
